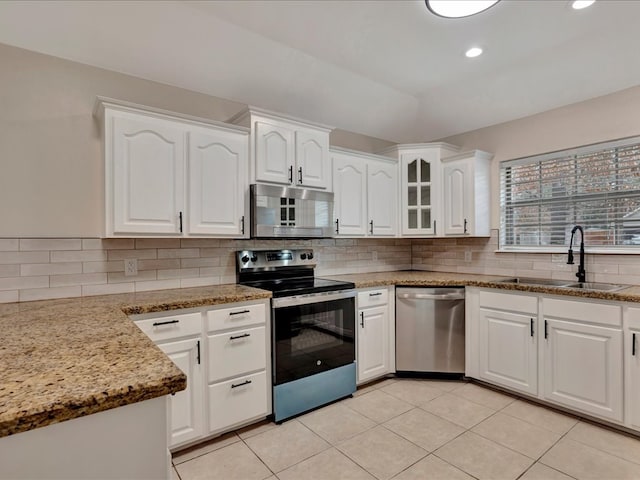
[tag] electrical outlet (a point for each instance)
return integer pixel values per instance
(374, 255)
(130, 267)
(467, 256)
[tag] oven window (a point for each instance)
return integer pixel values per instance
(313, 338)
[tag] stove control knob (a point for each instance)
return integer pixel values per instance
(303, 256)
(310, 255)
(245, 258)
(254, 258)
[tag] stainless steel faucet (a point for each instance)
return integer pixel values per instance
(581, 271)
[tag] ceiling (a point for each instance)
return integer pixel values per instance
(388, 69)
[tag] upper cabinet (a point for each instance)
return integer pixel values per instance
(443, 192)
(366, 191)
(466, 195)
(287, 151)
(171, 175)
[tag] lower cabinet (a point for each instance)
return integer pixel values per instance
(583, 356)
(225, 353)
(632, 367)
(566, 352)
(375, 336)
(508, 347)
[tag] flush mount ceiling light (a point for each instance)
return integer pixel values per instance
(458, 8)
(580, 4)
(473, 52)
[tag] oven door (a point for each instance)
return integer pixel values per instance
(312, 334)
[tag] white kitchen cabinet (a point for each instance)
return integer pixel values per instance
(239, 365)
(582, 352)
(632, 367)
(217, 183)
(225, 352)
(365, 189)
(466, 195)
(420, 184)
(376, 334)
(179, 336)
(508, 347)
(172, 175)
(285, 150)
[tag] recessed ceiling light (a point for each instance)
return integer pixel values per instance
(580, 4)
(458, 8)
(473, 52)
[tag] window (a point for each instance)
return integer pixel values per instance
(598, 187)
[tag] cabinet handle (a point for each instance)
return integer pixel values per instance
(435, 231)
(198, 345)
(362, 319)
(180, 217)
(546, 331)
(465, 225)
(371, 227)
(337, 226)
(235, 337)
(300, 175)
(532, 327)
(291, 174)
(242, 224)
(377, 294)
(168, 322)
(633, 345)
(240, 312)
(236, 385)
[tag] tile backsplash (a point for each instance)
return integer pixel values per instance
(478, 255)
(36, 269)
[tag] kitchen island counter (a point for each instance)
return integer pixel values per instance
(67, 358)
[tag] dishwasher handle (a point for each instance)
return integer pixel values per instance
(431, 296)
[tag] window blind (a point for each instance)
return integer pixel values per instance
(597, 186)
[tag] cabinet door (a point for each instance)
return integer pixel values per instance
(217, 183)
(420, 205)
(373, 343)
(186, 416)
(350, 195)
(508, 350)
(458, 198)
(312, 159)
(274, 153)
(146, 165)
(583, 367)
(382, 193)
(632, 369)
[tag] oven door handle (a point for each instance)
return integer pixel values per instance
(311, 298)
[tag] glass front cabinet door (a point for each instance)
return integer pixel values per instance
(420, 194)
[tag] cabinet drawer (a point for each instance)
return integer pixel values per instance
(583, 311)
(173, 326)
(235, 317)
(237, 400)
(509, 301)
(370, 298)
(237, 352)
(633, 317)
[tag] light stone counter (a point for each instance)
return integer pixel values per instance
(63, 359)
(438, 279)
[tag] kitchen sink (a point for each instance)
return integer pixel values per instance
(537, 281)
(601, 287)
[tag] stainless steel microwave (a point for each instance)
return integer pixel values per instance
(287, 212)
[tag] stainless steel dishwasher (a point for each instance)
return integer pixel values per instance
(430, 330)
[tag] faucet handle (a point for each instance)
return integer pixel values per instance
(570, 257)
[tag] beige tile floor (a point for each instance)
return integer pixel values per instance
(418, 430)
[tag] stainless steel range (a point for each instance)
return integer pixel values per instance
(313, 329)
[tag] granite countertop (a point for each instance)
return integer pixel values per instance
(63, 359)
(426, 279)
